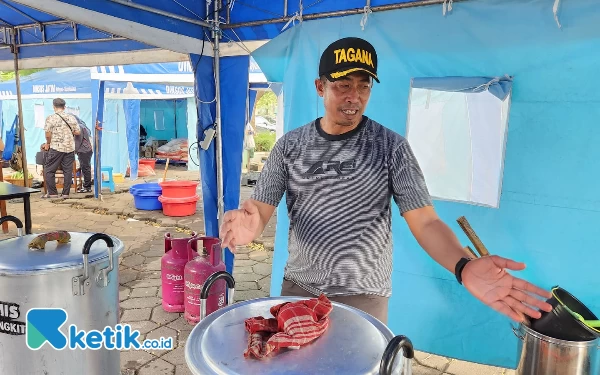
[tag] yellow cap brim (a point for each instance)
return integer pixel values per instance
(337, 75)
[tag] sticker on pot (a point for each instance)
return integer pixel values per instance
(8, 313)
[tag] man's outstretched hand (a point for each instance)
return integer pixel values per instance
(240, 226)
(486, 278)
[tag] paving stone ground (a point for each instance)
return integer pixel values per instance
(142, 233)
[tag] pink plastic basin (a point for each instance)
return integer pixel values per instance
(179, 189)
(149, 162)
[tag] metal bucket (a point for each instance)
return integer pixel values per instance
(543, 355)
(355, 343)
(80, 277)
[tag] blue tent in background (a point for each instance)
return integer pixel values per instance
(162, 87)
(544, 203)
(173, 98)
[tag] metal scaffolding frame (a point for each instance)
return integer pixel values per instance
(17, 32)
(338, 13)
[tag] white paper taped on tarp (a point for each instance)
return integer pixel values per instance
(39, 115)
(159, 120)
(72, 110)
(459, 141)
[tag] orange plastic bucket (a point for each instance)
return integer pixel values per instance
(179, 189)
(149, 162)
(178, 206)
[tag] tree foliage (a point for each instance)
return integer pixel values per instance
(267, 104)
(10, 75)
(264, 141)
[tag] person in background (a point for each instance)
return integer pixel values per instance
(84, 150)
(143, 135)
(249, 144)
(60, 129)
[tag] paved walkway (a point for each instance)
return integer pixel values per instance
(139, 271)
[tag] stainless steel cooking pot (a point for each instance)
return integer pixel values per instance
(354, 343)
(81, 277)
(539, 354)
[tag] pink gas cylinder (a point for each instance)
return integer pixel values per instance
(204, 260)
(172, 271)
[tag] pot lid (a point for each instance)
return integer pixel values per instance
(353, 343)
(17, 257)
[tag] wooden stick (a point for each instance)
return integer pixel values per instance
(466, 227)
(471, 252)
(166, 168)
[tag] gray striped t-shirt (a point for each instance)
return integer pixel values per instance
(339, 190)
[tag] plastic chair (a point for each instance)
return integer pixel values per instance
(77, 181)
(111, 182)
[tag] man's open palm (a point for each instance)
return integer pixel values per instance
(240, 226)
(487, 279)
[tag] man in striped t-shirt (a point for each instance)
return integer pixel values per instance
(340, 174)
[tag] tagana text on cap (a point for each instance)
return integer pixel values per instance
(348, 55)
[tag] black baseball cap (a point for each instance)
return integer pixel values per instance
(348, 55)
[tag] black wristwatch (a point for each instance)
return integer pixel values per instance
(459, 268)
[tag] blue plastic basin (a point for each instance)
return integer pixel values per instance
(145, 196)
(146, 187)
(147, 202)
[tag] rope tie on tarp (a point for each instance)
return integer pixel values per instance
(297, 16)
(555, 11)
(447, 7)
(366, 13)
(486, 86)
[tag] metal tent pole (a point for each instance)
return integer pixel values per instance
(216, 33)
(15, 51)
(219, 135)
(161, 12)
(338, 13)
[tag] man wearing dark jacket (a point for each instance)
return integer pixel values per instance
(84, 150)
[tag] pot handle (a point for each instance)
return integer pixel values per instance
(191, 252)
(102, 279)
(516, 331)
(168, 245)
(208, 284)
(80, 282)
(392, 349)
(169, 238)
(18, 223)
